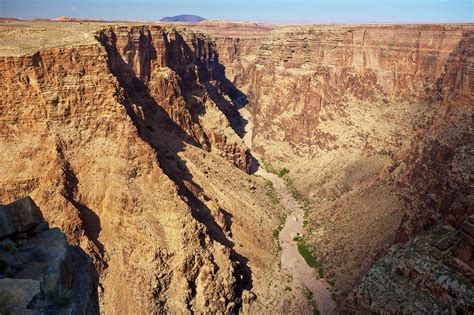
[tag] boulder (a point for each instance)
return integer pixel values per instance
(19, 216)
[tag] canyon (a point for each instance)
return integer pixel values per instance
(220, 167)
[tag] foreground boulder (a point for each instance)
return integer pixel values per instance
(39, 271)
(19, 216)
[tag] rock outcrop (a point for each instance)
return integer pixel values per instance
(422, 276)
(19, 217)
(173, 67)
(302, 74)
(40, 272)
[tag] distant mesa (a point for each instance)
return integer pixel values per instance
(6, 19)
(188, 18)
(73, 19)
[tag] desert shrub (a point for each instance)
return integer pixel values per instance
(281, 224)
(330, 282)
(8, 245)
(5, 298)
(271, 193)
(9, 272)
(307, 253)
(308, 294)
(59, 295)
(283, 171)
(293, 190)
(309, 297)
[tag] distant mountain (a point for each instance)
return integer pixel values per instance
(183, 18)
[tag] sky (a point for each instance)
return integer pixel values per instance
(277, 11)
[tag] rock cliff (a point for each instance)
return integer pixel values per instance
(120, 143)
(375, 125)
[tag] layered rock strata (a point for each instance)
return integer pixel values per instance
(375, 125)
(122, 145)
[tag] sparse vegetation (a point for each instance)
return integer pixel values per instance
(309, 297)
(5, 298)
(9, 272)
(308, 255)
(8, 245)
(268, 167)
(271, 193)
(59, 296)
(281, 223)
(330, 282)
(306, 210)
(283, 171)
(288, 289)
(293, 190)
(299, 197)
(308, 294)
(271, 169)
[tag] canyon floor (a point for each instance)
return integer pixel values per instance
(303, 276)
(222, 167)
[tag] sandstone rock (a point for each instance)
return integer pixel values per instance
(44, 262)
(140, 95)
(19, 216)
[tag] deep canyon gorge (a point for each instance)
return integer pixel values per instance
(220, 167)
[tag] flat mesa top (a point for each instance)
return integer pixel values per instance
(18, 38)
(23, 37)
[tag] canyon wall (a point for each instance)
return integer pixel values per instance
(173, 66)
(375, 125)
(303, 74)
(121, 145)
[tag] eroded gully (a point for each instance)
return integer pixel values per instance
(291, 261)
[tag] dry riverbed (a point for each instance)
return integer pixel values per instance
(305, 280)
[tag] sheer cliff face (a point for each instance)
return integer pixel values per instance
(121, 146)
(303, 74)
(175, 68)
(375, 125)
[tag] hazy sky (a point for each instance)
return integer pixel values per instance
(402, 11)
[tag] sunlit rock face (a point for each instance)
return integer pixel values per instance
(123, 143)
